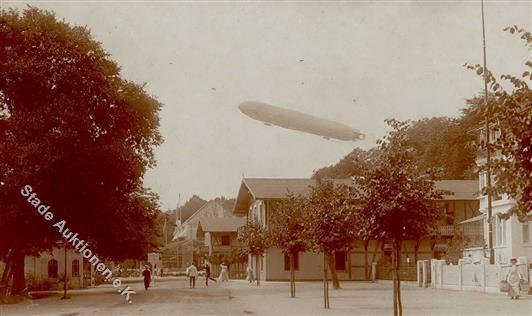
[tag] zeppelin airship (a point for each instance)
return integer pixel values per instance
(273, 115)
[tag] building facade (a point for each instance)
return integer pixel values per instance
(221, 244)
(256, 199)
(47, 270)
(185, 244)
(511, 237)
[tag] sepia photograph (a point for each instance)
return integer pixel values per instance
(267, 157)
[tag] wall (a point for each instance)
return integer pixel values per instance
(36, 268)
(483, 277)
(310, 267)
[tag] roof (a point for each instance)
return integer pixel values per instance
(223, 224)
(198, 213)
(273, 188)
(474, 219)
(458, 189)
(184, 243)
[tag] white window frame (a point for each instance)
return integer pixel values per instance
(525, 231)
(500, 231)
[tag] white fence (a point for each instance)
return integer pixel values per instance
(481, 277)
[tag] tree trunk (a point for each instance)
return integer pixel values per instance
(6, 277)
(332, 266)
(394, 277)
(257, 267)
(366, 272)
(292, 276)
(368, 277)
(398, 265)
(325, 283)
(416, 250)
(15, 273)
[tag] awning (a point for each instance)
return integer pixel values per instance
(474, 219)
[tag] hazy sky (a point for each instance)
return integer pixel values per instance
(363, 62)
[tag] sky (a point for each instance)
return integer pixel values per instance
(363, 62)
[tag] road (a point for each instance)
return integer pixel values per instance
(173, 297)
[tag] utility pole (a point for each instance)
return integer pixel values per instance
(488, 145)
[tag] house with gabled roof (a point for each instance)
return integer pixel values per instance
(256, 199)
(184, 247)
(221, 243)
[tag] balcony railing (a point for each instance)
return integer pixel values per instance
(446, 230)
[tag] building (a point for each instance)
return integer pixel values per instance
(511, 237)
(184, 247)
(255, 199)
(221, 243)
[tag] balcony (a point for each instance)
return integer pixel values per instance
(446, 230)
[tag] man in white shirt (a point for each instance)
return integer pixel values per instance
(192, 271)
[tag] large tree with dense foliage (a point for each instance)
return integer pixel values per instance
(397, 198)
(332, 225)
(287, 230)
(439, 143)
(511, 114)
(353, 164)
(79, 134)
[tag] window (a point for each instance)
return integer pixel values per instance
(179, 257)
(526, 233)
(500, 231)
(226, 240)
(52, 268)
(75, 268)
(340, 260)
(482, 181)
(449, 214)
(287, 261)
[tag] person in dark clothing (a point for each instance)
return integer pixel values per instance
(147, 277)
(208, 274)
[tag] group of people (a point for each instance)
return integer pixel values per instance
(192, 272)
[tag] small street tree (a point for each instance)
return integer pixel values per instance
(287, 230)
(397, 198)
(255, 240)
(331, 226)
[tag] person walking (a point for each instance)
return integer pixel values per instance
(224, 273)
(147, 277)
(513, 278)
(191, 272)
(249, 271)
(208, 274)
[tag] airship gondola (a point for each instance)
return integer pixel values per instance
(294, 120)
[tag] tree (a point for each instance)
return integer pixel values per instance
(190, 207)
(255, 239)
(511, 114)
(353, 164)
(331, 225)
(397, 198)
(439, 142)
(79, 134)
(443, 143)
(287, 230)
